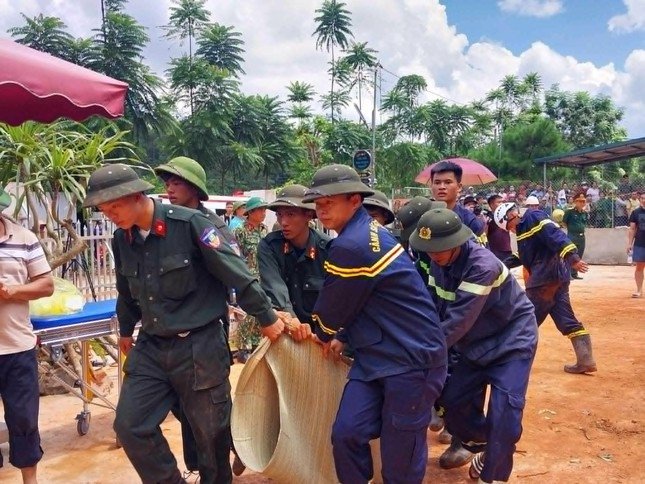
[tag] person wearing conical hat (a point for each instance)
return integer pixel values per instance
(576, 220)
(488, 319)
(374, 293)
(547, 254)
(290, 260)
(172, 272)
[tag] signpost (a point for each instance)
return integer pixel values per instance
(362, 160)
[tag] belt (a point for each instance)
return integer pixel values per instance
(184, 334)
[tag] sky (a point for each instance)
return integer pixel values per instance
(463, 48)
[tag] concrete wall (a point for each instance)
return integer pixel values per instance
(606, 246)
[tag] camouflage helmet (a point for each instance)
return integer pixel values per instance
(187, 169)
(111, 182)
(335, 180)
(379, 200)
(291, 196)
(439, 229)
(410, 213)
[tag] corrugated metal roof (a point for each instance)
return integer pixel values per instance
(597, 155)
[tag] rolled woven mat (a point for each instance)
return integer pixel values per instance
(285, 403)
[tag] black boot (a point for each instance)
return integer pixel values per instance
(455, 455)
(584, 356)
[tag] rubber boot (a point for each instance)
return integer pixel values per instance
(584, 356)
(436, 422)
(455, 455)
(444, 436)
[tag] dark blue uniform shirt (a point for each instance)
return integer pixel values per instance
(485, 314)
(544, 249)
(374, 292)
(469, 219)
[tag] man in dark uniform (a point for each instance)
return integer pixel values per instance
(374, 293)
(378, 206)
(575, 220)
(445, 180)
(499, 241)
(291, 259)
(487, 317)
(172, 274)
(546, 253)
(185, 181)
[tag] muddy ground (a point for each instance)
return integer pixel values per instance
(577, 429)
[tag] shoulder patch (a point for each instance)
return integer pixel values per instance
(210, 238)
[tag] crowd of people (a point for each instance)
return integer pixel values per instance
(431, 320)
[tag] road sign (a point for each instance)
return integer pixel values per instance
(362, 160)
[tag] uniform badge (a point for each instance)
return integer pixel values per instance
(425, 233)
(312, 253)
(210, 238)
(160, 228)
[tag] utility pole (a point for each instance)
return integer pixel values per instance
(373, 174)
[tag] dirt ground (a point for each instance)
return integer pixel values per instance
(577, 429)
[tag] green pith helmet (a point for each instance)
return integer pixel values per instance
(335, 180)
(254, 203)
(5, 199)
(186, 169)
(410, 213)
(238, 205)
(111, 182)
(379, 200)
(438, 230)
(291, 196)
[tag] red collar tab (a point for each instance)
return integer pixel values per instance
(128, 236)
(286, 248)
(311, 253)
(159, 228)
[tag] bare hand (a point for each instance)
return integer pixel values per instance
(7, 292)
(274, 331)
(299, 331)
(125, 344)
(336, 348)
(580, 266)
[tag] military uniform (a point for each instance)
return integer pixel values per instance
(292, 278)
(173, 279)
(489, 321)
(248, 239)
(576, 222)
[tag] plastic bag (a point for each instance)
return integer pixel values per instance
(67, 299)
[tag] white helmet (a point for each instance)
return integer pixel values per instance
(500, 214)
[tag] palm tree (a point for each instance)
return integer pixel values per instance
(221, 46)
(333, 30)
(187, 19)
(360, 58)
(300, 92)
(47, 34)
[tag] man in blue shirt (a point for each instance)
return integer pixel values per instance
(487, 318)
(374, 293)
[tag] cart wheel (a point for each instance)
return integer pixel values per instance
(83, 423)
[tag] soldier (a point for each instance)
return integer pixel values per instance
(374, 293)
(378, 206)
(248, 237)
(546, 253)
(291, 259)
(488, 319)
(185, 181)
(172, 274)
(575, 220)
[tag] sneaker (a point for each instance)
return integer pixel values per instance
(476, 466)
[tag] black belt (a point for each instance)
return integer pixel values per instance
(184, 334)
